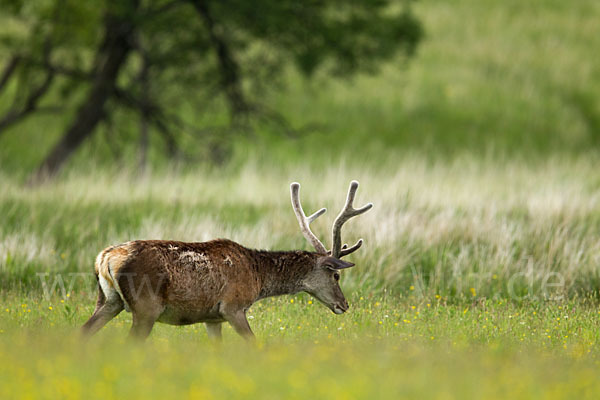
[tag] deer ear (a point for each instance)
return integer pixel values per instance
(334, 263)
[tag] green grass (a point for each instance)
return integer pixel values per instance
(386, 346)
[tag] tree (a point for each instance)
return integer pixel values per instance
(94, 58)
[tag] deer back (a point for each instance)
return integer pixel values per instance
(187, 275)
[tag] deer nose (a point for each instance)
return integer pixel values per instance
(344, 305)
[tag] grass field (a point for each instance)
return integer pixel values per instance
(480, 272)
(385, 347)
(476, 280)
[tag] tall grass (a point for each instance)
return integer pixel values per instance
(470, 226)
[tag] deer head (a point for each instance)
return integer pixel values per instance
(322, 281)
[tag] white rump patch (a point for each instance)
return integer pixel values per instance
(108, 290)
(111, 292)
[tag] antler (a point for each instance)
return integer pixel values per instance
(305, 221)
(347, 212)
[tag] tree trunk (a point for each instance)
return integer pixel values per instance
(111, 55)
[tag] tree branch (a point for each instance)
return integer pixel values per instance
(153, 12)
(9, 69)
(154, 113)
(14, 115)
(269, 115)
(69, 72)
(30, 105)
(228, 67)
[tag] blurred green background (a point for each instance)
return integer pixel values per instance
(492, 78)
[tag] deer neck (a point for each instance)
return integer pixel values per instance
(282, 272)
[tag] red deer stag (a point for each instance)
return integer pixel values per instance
(182, 283)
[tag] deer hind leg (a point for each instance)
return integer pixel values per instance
(143, 294)
(142, 325)
(213, 329)
(145, 311)
(145, 307)
(107, 307)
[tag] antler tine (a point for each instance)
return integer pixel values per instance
(305, 221)
(347, 212)
(347, 250)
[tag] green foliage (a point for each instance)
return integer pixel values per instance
(167, 55)
(485, 80)
(350, 36)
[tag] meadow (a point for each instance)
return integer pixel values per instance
(385, 347)
(479, 276)
(475, 280)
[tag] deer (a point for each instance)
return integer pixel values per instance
(216, 281)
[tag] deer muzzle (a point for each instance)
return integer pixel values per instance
(340, 308)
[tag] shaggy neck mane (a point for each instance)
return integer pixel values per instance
(282, 272)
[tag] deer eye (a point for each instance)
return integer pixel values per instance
(336, 276)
